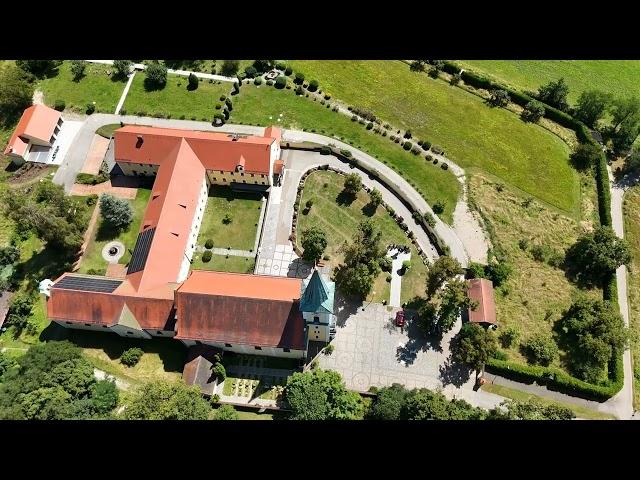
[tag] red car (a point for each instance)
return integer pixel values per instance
(400, 319)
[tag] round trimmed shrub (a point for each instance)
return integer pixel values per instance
(131, 356)
(208, 244)
(60, 105)
(407, 145)
(299, 78)
(445, 166)
(288, 71)
(269, 82)
(313, 85)
(90, 108)
(281, 82)
(206, 256)
(257, 81)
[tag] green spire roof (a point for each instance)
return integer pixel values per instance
(317, 295)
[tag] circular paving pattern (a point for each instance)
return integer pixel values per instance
(113, 251)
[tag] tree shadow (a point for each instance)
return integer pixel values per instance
(345, 198)
(78, 78)
(345, 307)
(369, 209)
(119, 77)
(191, 87)
(153, 86)
(453, 373)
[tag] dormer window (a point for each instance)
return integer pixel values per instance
(239, 168)
(139, 141)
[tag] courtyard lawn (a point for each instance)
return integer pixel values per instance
(223, 263)
(106, 131)
(263, 105)
(536, 294)
(339, 221)
(163, 358)
(175, 100)
(619, 77)
(632, 234)
(471, 133)
(518, 395)
(95, 86)
(244, 210)
(92, 259)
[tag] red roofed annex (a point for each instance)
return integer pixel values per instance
(160, 295)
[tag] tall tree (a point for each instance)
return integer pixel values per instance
(453, 302)
(595, 331)
(352, 184)
(38, 68)
(585, 156)
(161, 400)
(230, 68)
(443, 269)
(314, 242)
(475, 346)
(389, 403)
(117, 212)
(591, 106)
(16, 93)
(226, 412)
(122, 67)
(597, 255)
(555, 94)
(321, 395)
(77, 68)
(155, 76)
(499, 98)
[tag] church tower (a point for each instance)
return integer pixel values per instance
(316, 305)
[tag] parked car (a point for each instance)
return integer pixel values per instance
(400, 318)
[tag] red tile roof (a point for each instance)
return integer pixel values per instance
(240, 309)
(37, 121)
(216, 151)
(481, 291)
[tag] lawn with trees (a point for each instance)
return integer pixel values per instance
(92, 260)
(223, 263)
(175, 99)
(230, 219)
(96, 85)
(339, 221)
(471, 133)
(263, 106)
(533, 239)
(618, 77)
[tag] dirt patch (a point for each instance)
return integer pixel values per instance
(30, 172)
(117, 188)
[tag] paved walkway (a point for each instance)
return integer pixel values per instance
(96, 154)
(396, 278)
(225, 251)
(123, 97)
(623, 401)
(121, 384)
(184, 73)
(128, 193)
(369, 350)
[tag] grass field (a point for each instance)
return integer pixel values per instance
(93, 256)
(536, 293)
(263, 105)
(95, 86)
(518, 395)
(222, 263)
(632, 234)
(471, 133)
(244, 210)
(339, 222)
(106, 131)
(619, 77)
(174, 99)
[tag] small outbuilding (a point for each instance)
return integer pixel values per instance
(197, 369)
(34, 135)
(481, 292)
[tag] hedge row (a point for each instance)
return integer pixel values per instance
(557, 380)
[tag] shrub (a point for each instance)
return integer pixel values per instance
(59, 105)
(208, 244)
(407, 134)
(227, 219)
(299, 78)
(345, 153)
(115, 211)
(193, 82)
(540, 349)
(156, 76)
(509, 337)
(313, 86)
(131, 356)
(429, 219)
(269, 82)
(407, 145)
(369, 126)
(328, 350)
(385, 263)
(476, 270)
(415, 150)
(219, 372)
(206, 256)
(288, 71)
(325, 150)
(250, 71)
(444, 166)
(90, 108)
(437, 149)
(500, 355)
(438, 207)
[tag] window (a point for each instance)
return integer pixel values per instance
(129, 333)
(68, 323)
(242, 174)
(221, 172)
(316, 319)
(215, 179)
(258, 348)
(244, 181)
(87, 324)
(159, 332)
(286, 350)
(104, 326)
(262, 183)
(252, 175)
(228, 345)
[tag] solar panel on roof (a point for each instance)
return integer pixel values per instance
(88, 284)
(141, 251)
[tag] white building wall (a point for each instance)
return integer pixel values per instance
(193, 232)
(226, 178)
